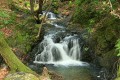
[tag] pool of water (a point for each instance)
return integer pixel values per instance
(73, 72)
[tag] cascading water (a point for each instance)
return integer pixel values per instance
(66, 52)
(62, 49)
(50, 15)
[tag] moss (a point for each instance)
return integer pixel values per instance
(108, 58)
(118, 74)
(21, 76)
(102, 42)
(105, 37)
(109, 34)
(10, 58)
(87, 11)
(117, 79)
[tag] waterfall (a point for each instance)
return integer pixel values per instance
(66, 52)
(50, 15)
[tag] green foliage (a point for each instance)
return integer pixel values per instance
(6, 18)
(4, 14)
(22, 32)
(19, 38)
(22, 28)
(86, 48)
(1, 33)
(90, 29)
(70, 3)
(27, 4)
(20, 0)
(118, 47)
(88, 12)
(55, 6)
(115, 4)
(81, 15)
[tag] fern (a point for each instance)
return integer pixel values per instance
(118, 47)
(4, 14)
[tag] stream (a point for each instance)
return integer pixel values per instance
(60, 51)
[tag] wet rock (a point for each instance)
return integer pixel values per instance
(49, 75)
(21, 76)
(33, 67)
(45, 75)
(74, 27)
(55, 76)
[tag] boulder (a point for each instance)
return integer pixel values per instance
(21, 76)
(45, 75)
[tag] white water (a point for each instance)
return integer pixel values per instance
(67, 52)
(50, 15)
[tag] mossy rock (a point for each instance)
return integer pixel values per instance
(117, 78)
(108, 58)
(21, 76)
(109, 34)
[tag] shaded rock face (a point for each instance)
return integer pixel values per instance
(21, 76)
(103, 43)
(104, 47)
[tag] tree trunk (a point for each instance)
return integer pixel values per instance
(39, 11)
(40, 6)
(11, 59)
(32, 6)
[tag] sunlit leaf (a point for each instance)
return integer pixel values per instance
(118, 47)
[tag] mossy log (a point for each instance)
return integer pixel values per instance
(11, 59)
